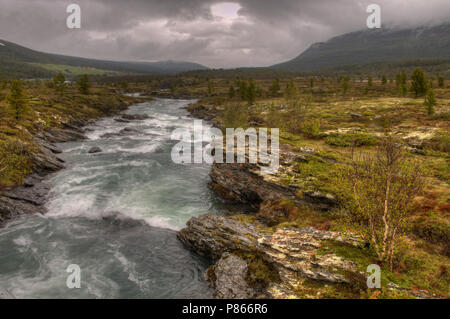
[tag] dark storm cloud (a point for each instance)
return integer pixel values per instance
(262, 32)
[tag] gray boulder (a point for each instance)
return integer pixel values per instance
(95, 149)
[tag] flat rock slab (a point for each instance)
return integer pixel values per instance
(291, 251)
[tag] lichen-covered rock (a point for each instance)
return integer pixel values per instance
(308, 150)
(228, 278)
(244, 183)
(212, 235)
(240, 183)
(320, 197)
(291, 252)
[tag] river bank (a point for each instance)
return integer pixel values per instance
(115, 214)
(262, 253)
(29, 198)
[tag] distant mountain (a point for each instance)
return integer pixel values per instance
(16, 60)
(373, 45)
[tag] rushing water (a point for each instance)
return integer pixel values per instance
(114, 214)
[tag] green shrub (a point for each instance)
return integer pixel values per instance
(432, 229)
(311, 128)
(15, 162)
(235, 116)
(441, 142)
(357, 139)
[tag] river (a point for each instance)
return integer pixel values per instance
(115, 215)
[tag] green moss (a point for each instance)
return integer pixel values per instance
(260, 273)
(433, 228)
(416, 267)
(357, 139)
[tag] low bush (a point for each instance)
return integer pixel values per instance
(15, 162)
(353, 139)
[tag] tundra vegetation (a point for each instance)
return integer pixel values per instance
(379, 147)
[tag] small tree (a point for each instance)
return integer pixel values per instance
(441, 81)
(243, 90)
(210, 87)
(83, 84)
(231, 92)
(296, 113)
(273, 116)
(384, 80)
(17, 100)
(430, 101)
(235, 116)
(346, 84)
(369, 82)
(311, 82)
(290, 92)
(419, 83)
(382, 189)
(59, 83)
(275, 87)
(401, 83)
(251, 92)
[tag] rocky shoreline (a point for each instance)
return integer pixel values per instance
(253, 260)
(284, 258)
(30, 197)
(289, 255)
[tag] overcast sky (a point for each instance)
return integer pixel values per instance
(213, 33)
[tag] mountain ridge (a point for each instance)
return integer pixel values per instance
(375, 45)
(18, 55)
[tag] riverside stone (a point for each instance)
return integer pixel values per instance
(291, 252)
(95, 149)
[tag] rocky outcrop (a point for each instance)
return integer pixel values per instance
(291, 253)
(204, 112)
(27, 199)
(244, 184)
(30, 197)
(239, 183)
(228, 278)
(63, 135)
(318, 197)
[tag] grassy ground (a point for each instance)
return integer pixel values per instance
(74, 70)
